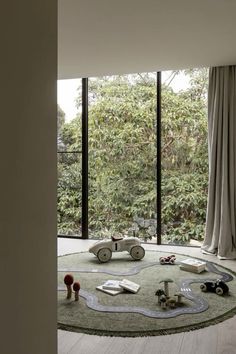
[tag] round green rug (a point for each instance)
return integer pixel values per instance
(139, 314)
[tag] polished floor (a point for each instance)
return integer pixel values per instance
(217, 339)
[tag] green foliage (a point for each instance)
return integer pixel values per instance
(69, 196)
(122, 158)
(184, 205)
(122, 153)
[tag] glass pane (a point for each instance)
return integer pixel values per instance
(69, 194)
(184, 156)
(122, 155)
(69, 157)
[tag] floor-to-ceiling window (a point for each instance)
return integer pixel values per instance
(184, 155)
(124, 167)
(122, 155)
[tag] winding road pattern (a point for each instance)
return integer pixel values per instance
(200, 304)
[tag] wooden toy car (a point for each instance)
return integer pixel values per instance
(167, 260)
(103, 249)
(218, 287)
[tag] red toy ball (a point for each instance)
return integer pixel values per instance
(68, 279)
(76, 286)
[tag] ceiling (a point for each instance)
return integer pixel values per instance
(104, 37)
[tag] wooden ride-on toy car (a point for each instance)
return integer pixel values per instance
(218, 286)
(103, 249)
(167, 260)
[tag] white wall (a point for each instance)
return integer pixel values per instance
(28, 72)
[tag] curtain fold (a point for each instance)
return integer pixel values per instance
(220, 236)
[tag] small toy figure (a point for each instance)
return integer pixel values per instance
(163, 301)
(159, 292)
(68, 280)
(76, 288)
(167, 260)
(171, 302)
(218, 286)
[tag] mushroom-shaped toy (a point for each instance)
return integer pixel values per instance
(179, 297)
(159, 292)
(171, 302)
(68, 280)
(166, 286)
(76, 288)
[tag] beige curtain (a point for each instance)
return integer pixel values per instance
(220, 237)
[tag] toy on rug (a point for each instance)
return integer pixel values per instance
(103, 249)
(171, 302)
(159, 293)
(164, 299)
(76, 288)
(68, 280)
(179, 298)
(166, 285)
(167, 260)
(218, 286)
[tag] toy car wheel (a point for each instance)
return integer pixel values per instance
(104, 255)
(203, 287)
(219, 291)
(162, 260)
(172, 261)
(137, 252)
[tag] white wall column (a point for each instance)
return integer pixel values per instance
(28, 73)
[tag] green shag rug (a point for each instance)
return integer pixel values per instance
(77, 316)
